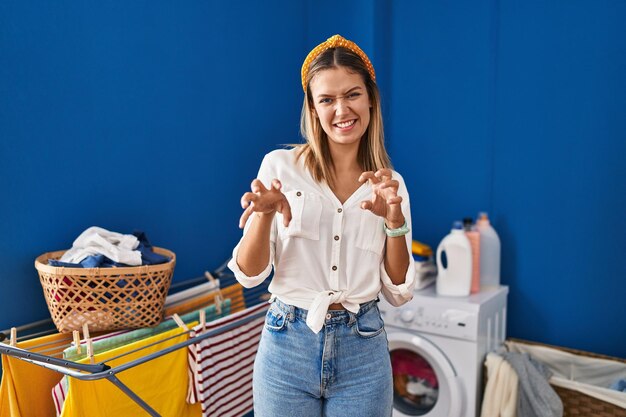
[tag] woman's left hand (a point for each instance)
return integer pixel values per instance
(385, 200)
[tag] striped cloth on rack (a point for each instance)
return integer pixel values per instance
(59, 392)
(221, 366)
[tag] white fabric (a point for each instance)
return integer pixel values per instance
(588, 375)
(59, 393)
(96, 240)
(501, 391)
(304, 254)
(425, 273)
(192, 292)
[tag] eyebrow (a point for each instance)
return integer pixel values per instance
(358, 87)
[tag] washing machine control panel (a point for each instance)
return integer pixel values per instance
(434, 319)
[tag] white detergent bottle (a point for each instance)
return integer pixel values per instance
(456, 278)
(489, 253)
(474, 238)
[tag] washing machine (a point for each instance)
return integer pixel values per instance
(438, 346)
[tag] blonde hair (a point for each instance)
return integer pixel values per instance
(372, 154)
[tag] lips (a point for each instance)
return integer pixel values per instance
(346, 124)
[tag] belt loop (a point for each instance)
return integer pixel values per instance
(292, 313)
(352, 318)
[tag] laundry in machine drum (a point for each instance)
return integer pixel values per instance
(415, 385)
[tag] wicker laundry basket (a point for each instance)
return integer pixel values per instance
(105, 298)
(576, 403)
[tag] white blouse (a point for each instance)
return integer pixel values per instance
(331, 252)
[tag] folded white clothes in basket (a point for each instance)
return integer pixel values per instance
(95, 240)
(425, 273)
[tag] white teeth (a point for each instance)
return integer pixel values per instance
(343, 125)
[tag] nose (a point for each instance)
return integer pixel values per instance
(342, 106)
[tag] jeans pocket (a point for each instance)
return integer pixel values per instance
(275, 319)
(369, 324)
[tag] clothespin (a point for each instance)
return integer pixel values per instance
(203, 318)
(76, 335)
(218, 303)
(211, 278)
(89, 343)
(180, 322)
(13, 336)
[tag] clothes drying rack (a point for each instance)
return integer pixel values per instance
(99, 371)
(94, 372)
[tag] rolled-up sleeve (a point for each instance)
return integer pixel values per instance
(245, 280)
(397, 295)
(265, 175)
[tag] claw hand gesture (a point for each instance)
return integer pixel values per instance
(385, 200)
(265, 202)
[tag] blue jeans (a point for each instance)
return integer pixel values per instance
(344, 370)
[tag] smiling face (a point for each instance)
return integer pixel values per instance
(341, 104)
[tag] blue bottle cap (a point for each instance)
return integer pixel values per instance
(457, 225)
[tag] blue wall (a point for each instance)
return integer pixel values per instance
(517, 108)
(155, 115)
(143, 114)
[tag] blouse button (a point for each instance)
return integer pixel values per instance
(336, 237)
(334, 267)
(298, 193)
(328, 316)
(339, 210)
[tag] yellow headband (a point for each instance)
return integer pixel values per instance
(336, 41)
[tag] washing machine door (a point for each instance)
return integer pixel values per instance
(425, 382)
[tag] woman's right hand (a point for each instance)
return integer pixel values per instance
(265, 202)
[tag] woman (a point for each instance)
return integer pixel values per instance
(333, 220)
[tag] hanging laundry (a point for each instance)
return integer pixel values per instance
(221, 378)
(233, 292)
(252, 296)
(517, 386)
(59, 392)
(162, 382)
(536, 397)
(118, 339)
(500, 397)
(25, 388)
